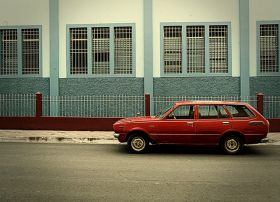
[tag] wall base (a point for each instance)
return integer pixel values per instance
(76, 123)
(58, 123)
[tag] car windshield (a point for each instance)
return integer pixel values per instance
(162, 112)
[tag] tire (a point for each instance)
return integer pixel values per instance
(232, 144)
(137, 144)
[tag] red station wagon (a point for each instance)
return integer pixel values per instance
(227, 124)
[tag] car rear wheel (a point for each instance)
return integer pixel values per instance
(137, 144)
(232, 144)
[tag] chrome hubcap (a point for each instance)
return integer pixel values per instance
(138, 143)
(232, 145)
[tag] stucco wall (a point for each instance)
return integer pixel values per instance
(201, 86)
(101, 86)
(24, 85)
(269, 85)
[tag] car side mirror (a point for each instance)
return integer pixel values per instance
(171, 116)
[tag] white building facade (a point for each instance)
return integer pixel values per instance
(132, 47)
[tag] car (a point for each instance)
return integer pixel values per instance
(229, 125)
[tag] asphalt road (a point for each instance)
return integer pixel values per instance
(65, 172)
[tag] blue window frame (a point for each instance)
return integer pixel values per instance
(268, 58)
(101, 50)
(20, 51)
(196, 49)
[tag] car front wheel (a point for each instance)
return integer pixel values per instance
(232, 144)
(137, 144)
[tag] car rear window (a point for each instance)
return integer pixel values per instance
(239, 111)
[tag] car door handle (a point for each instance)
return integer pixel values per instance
(190, 123)
(256, 123)
(225, 122)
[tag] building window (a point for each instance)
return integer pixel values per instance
(195, 49)
(269, 48)
(30, 51)
(172, 49)
(123, 50)
(8, 52)
(24, 42)
(78, 51)
(101, 50)
(218, 48)
(204, 49)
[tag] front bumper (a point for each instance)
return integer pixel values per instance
(120, 137)
(116, 135)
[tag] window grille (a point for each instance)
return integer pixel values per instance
(218, 48)
(30, 51)
(8, 52)
(195, 49)
(123, 50)
(269, 61)
(95, 50)
(172, 49)
(78, 51)
(101, 50)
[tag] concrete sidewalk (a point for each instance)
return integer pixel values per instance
(51, 136)
(86, 137)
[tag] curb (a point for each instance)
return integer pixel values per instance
(60, 140)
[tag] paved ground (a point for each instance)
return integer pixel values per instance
(83, 172)
(88, 137)
(46, 136)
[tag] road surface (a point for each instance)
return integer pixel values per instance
(76, 172)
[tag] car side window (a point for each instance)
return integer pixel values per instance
(182, 112)
(239, 111)
(212, 112)
(222, 112)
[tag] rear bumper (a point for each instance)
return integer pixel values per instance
(254, 139)
(265, 140)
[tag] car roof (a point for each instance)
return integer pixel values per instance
(209, 102)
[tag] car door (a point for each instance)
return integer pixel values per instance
(212, 122)
(177, 127)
